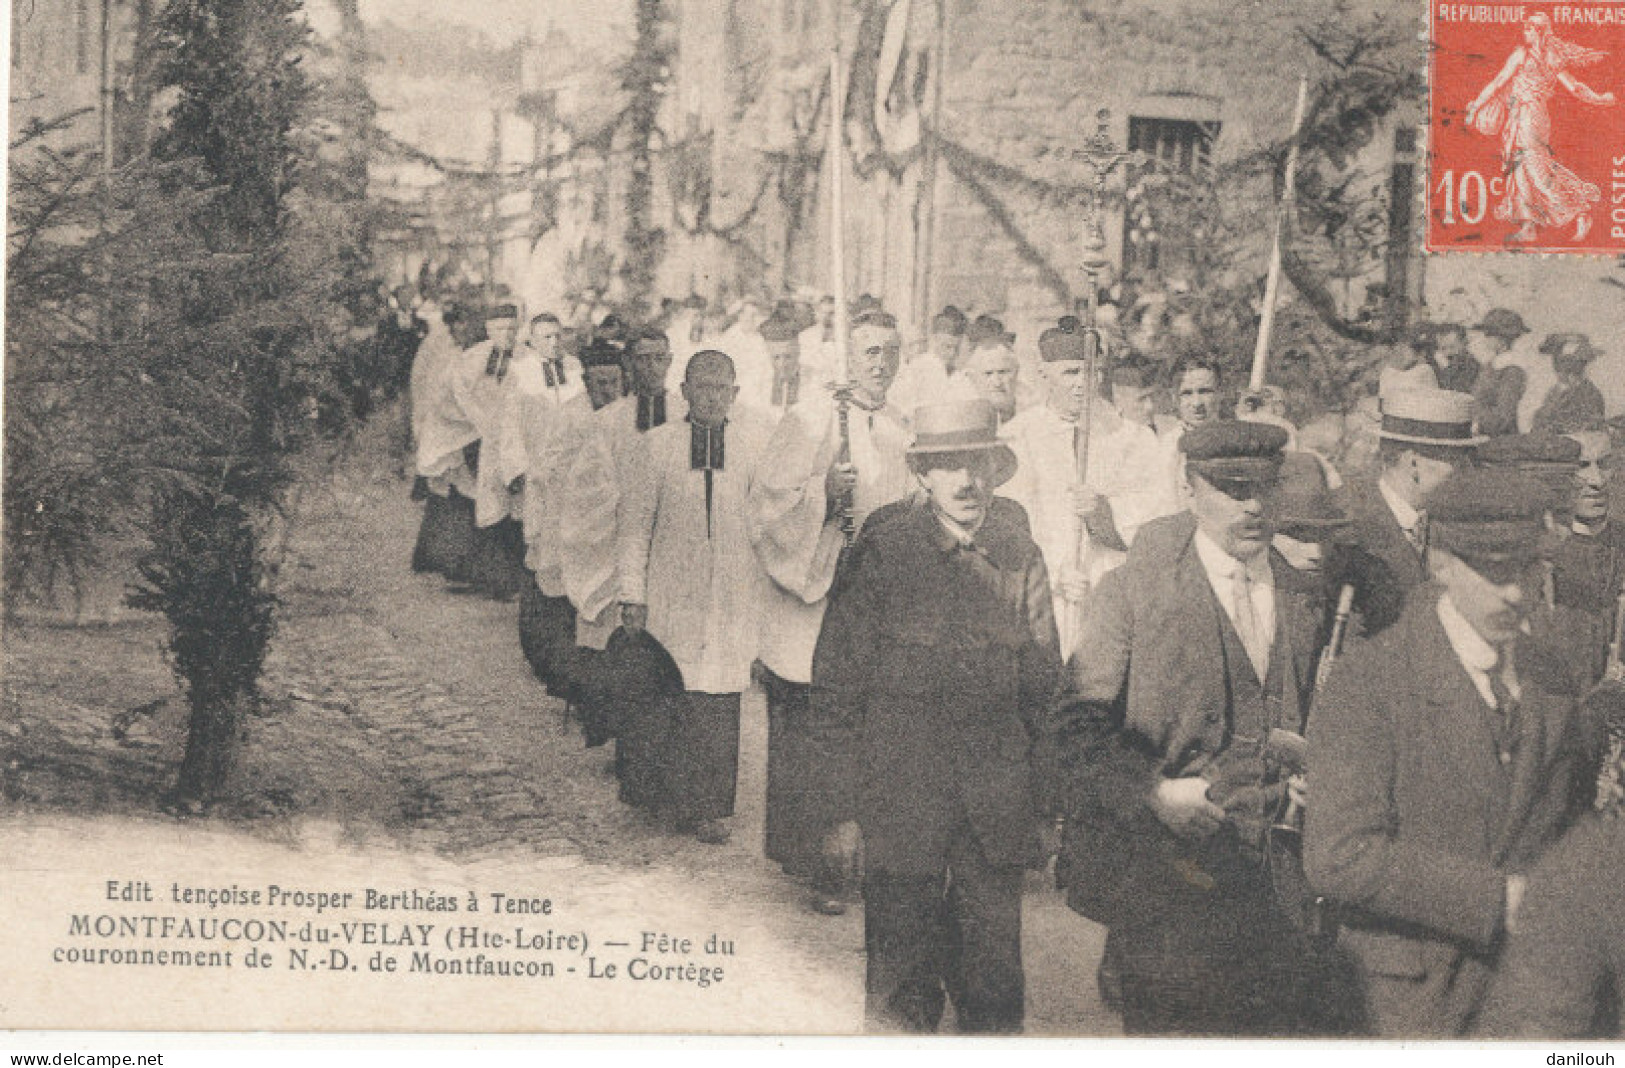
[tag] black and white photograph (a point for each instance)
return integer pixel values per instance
(1096, 519)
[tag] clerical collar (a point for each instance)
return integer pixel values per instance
(554, 370)
(496, 362)
(651, 410)
(705, 452)
(786, 389)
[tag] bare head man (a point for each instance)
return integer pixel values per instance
(709, 388)
(876, 349)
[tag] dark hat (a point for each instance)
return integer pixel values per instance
(1305, 508)
(1234, 450)
(985, 328)
(502, 311)
(1069, 324)
(1551, 459)
(949, 320)
(1575, 350)
(1057, 346)
(963, 426)
(1502, 323)
(636, 668)
(694, 300)
(875, 316)
(601, 352)
(868, 302)
(1425, 416)
(774, 328)
(1489, 515)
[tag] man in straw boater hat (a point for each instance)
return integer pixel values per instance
(1424, 435)
(1445, 756)
(798, 506)
(1193, 651)
(939, 651)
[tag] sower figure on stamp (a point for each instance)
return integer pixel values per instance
(687, 573)
(939, 645)
(1192, 652)
(796, 517)
(1444, 758)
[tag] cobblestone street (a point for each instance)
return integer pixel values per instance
(403, 718)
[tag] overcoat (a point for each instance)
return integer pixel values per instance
(1376, 557)
(945, 663)
(1414, 823)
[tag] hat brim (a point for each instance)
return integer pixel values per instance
(1449, 443)
(1238, 468)
(1003, 472)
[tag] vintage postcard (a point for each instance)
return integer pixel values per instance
(815, 517)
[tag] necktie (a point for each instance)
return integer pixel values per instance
(555, 372)
(1506, 705)
(1247, 626)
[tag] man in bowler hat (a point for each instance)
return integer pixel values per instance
(939, 648)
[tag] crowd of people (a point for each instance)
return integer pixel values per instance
(1323, 728)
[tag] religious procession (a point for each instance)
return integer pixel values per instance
(1101, 506)
(1327, 745)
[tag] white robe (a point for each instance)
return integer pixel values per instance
(1127, 465)
(590, 498)
(543, 427)
(473, 408)
(699, 579)
(798, 548)
(923, 380)
(435, 353)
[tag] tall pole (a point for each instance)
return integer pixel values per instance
(106, 87)
(925, 249)
(837, 206)
(1272, 282)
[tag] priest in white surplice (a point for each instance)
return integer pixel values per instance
(688, 575)
(796, 529)
(461, 448)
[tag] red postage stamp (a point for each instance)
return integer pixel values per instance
(1526, 126)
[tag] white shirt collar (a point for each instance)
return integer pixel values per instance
(1476, 655)
(1407, 516)
(1221, 566)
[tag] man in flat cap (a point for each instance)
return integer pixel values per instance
(1574, 401)
(1444, 758)
(939, 649)
(1500, 385)
(1424, 435)
(687, 574)
(797, 506)
(1193, 651)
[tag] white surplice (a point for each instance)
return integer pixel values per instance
(796, 542)
(691, 565)
(545, 424)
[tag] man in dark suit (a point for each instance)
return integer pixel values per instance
(1562, 974)
(939, 646)
(1191, 653)
(1444, 758)
(1425, 435)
